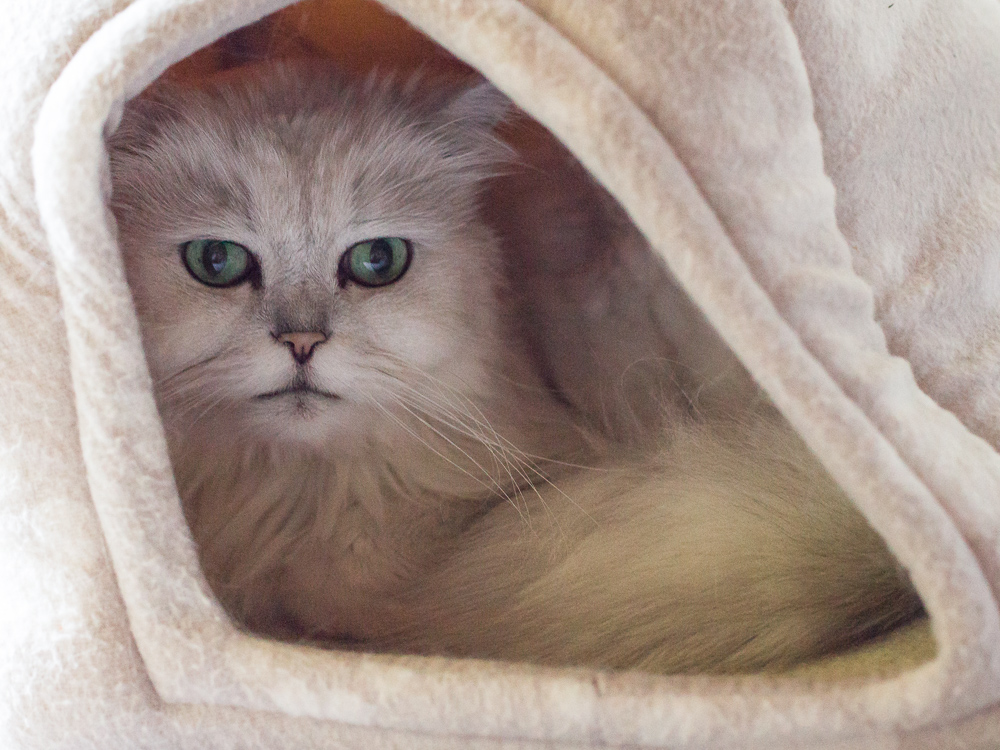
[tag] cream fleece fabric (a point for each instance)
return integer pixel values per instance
(822, 176)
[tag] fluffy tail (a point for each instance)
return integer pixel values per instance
(729, 550)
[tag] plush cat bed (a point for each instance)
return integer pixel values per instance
(724, 127)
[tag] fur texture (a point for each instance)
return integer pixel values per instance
(502, 453)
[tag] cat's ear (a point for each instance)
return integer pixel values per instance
(142, 118)
(482, 106)
(468, 123)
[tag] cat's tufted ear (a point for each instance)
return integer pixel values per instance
(144, 117)
(468, 122)
(482, 106)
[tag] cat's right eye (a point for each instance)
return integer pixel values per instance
(218, 263)
(377, 262)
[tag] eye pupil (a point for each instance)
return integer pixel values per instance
(215, 258)
(379, 257)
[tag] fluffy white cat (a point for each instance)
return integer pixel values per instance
(419, 404)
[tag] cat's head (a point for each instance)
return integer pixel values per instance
(305, 254)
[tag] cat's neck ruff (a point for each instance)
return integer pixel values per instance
(369, 512)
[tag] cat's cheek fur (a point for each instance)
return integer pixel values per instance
(170, 307)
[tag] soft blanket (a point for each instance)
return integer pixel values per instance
(822, 177)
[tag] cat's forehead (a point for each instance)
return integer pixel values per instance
(342, 158)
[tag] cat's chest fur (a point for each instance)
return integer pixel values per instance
(292, 538)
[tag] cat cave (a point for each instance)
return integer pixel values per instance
(819, 177)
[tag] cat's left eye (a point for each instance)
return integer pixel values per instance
(377, 262)
(217, 262)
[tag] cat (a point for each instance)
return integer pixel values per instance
(421, 399)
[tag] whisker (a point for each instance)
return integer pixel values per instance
(450, 442)
(501, 461)
(166, 379)
(428, 445)
(515, 457)
(512, 459)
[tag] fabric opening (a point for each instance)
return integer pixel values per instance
(740, 209)
(360, 37)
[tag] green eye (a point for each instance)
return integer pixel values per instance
(217, 262)
(377, 262)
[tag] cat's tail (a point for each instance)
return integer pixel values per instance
(728, 550)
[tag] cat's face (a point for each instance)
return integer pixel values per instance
(306, 257)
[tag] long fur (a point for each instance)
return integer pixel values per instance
(522, 461)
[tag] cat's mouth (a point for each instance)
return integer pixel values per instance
(297, 389)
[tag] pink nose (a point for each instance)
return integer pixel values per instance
(302, 343)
